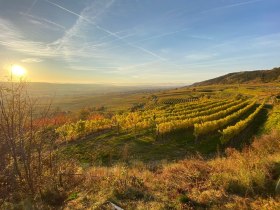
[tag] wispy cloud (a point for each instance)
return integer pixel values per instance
(113, 34)
(100, 39)
(251, 42)
(13, 39)
(44, 22)
(32, 60)
(269, 40)
(76, 45)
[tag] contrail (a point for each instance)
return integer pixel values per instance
(43, 19)
(57, 5)
(242, 3)
(107, 31)
(232, 5)
(32, 5)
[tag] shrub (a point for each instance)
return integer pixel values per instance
(54, 197)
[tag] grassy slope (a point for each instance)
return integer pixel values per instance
(235, 180)
(238, 180)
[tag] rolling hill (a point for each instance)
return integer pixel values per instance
(244, 77)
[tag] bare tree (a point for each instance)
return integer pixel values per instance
(26, 148)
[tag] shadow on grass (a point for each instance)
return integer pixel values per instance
(111, 148)
(245, 138)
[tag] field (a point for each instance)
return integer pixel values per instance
(193, 141)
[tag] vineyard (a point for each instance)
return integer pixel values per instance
(202, 143)
(200, 118)
(178, 100)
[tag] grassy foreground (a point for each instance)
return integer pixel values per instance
(237, 180)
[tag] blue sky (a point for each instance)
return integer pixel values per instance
(138, 41)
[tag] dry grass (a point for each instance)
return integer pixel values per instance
(239, 180)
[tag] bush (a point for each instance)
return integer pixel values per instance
(53, 197)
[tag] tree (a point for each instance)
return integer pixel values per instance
(25, 147)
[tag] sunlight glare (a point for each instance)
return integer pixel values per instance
(18, 71)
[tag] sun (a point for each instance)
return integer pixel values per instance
(18, 71)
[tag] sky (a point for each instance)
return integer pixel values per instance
(137, 41)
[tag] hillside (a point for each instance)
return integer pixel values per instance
(182, 149)
(244, 77)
